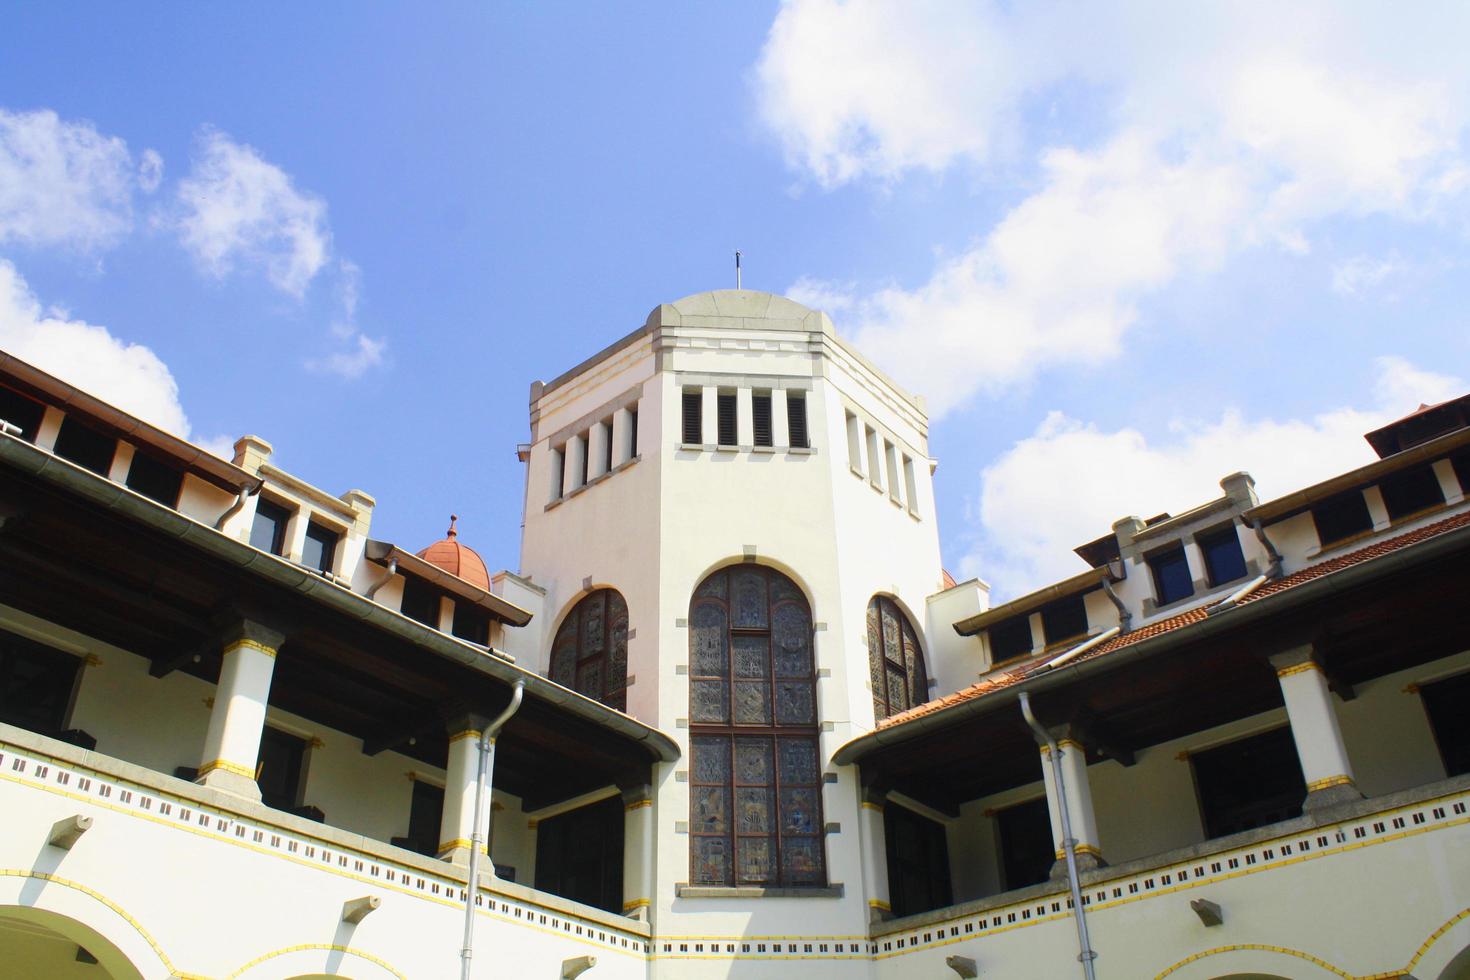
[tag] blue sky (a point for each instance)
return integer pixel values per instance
(1124, 250)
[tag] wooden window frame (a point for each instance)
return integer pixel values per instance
(610, 691)
(881, 665)
(774, 735)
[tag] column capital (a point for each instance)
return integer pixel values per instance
(635, 797)
(1295, 659)
(460, 722)
(251, 633)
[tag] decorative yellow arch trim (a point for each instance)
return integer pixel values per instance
(98, 896)
(1435, 937)
(328, 947)
(1261, 947)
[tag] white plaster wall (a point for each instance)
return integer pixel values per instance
(203, 501)
(955, 662)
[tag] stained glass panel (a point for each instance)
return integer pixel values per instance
(711, 864)
(564, 662)
(898, 698)
(709, 701)
(752, 702)
(757, 864)
(792, 635)
(709, 811)
(753, 811)
(751, 610)
(711, 758)
(707, 656)
(799, 811)
(798, 760)
(752, 656)
(594, 610)
(589, 679)
(892, 648)
(753, 761)
(712, 587)
(783, 590)
(795, 704)
(801, 859)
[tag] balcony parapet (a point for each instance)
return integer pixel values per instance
(1317, 834)
(48, 765)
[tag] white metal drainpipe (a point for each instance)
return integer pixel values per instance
(1069, 843)
(478, 836)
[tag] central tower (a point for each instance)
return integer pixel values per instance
(730, 510)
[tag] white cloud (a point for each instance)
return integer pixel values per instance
(150, 171)
(1363, 273)
(239, 208)
(62, 183)
(130, 376)
(1066, 484)
(1215, 129)
(356, 353)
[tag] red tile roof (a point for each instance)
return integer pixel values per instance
(1000, 679)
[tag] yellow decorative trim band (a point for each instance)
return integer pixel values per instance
(1329, 782)
(869, 805)
(313, 947)
(874, 903)
(458, 842)
(99, 897)
(224, 765)
(1300, 668)
(636, 904)
(1073, 743)
(636, 805)
(461, 736)
(1081, 849)
(532, 824)
(248, 644)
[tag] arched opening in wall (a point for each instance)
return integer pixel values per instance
(895, 660)
(38, 943)
(1458, 968)
(590, 652)
(755, 812)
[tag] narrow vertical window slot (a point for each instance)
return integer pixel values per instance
(760, 415)
(693, 416)
(890, 457)
(854, 443)
(796, 426)
(911, 485)
(725, 408)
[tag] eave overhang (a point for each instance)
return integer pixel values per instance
(1083, 582)
(385, 553)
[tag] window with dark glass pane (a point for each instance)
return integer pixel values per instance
(895, 661)
(85, 446)
(607, 445)
(590, 651)
(755, 774)
(36, 684)
(693, 404)
(1224, 560)
(18, 410)
(1064, 619)
(280, 767)
(268, 533)
(632, 432)
(1027, 850)
(154, 479)
(1461, 463)
(420, 602)
(320, 548)
(796, 428)
(1171, 576)
(1249, 783)
(725, 407)
(1410, 491)
(1010, 638)
(760, 417)
(579, 855)
(425, 816)
(584, 446)
(1340, 517)
(1447, 703)
(918, 861)
(471, 623)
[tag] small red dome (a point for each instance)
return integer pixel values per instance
(458, 559)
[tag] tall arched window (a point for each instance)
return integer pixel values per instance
(895, 660)
(590, 653)
(755, 812)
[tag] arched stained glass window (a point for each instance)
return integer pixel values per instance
(755, 812)
(895, 661)
(590, 652)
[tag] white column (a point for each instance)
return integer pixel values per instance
(1377, 509)
(872, 838)
(622, 436)
(122, 461)
(457, 827)
(780, 432)
(744, 418)
(573, 473)
(49, 428)
(1449, 483)
(1314, 728)
(1073, 764)
(638, 852)
(232, 743)
(598, 437)
(709, 416)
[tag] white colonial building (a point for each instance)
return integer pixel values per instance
(731, 716)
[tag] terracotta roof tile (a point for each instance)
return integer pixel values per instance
(999, 680)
